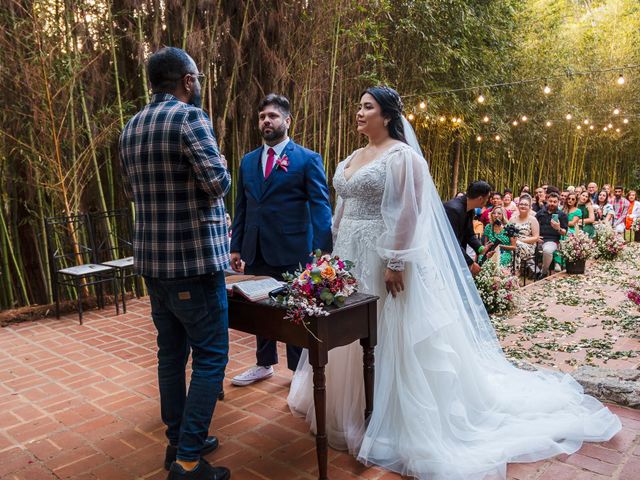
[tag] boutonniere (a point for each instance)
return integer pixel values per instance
(282, 162)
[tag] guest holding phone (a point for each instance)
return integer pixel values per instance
(553, 225)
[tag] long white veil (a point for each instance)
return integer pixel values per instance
(418, 231)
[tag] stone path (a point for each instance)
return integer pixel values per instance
(81, 402)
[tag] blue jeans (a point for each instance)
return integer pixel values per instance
(190, 313)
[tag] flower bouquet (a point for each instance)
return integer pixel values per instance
(325, 281)
(576, 249)
(635, 225)
(608, 243)
(496, 287)
(634, 293)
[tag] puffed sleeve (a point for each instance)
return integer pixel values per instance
(403, 208)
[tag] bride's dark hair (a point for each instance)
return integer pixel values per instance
(391, 106)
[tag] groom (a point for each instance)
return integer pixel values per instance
(282, 214)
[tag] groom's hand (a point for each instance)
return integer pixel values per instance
(236, 262)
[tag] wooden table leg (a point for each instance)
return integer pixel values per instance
(369, 379)
(320, 402)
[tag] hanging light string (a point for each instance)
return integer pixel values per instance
(567, 74)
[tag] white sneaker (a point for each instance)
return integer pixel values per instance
(254, 374)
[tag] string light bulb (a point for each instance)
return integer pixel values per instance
(479, 138)
(546, 89)
(442, 119)
(591, 127)
(625, 121)
(605, 129)
(578, 127)
(621, 79)
(514, 123)
(548, 124)
(524, 118)
(411, 117)
(485, 119)
(616, 111)
(610, 125)
(569, 116)
(618, 130)
(586, 121)
(480, 98)
(423, 105)
(497, 137)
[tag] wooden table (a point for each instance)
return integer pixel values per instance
(356, 320)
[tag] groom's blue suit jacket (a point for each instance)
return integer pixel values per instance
(288, 215)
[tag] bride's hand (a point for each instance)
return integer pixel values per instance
(393, 281)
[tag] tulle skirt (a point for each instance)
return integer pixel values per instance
(445, 407)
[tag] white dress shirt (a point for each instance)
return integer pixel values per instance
(278, 149)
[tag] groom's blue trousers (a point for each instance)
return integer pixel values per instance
(267, 350)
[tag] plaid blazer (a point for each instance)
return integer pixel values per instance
(173, 173)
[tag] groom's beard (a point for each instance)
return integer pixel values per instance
(275, 133)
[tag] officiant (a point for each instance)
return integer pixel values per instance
(282, 214)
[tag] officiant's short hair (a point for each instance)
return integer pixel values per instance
(167, 66)
(279, 101)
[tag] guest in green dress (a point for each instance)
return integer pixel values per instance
(588, 214)
(573, 213)
(494, 234)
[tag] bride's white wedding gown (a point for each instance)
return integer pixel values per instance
(448, 405)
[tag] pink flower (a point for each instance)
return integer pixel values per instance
(283, 163)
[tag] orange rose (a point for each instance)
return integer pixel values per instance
(329, 273)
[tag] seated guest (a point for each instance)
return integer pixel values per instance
(553, 225)
(592, 188)
(574, 214)
(603, 210)
(508, 203)
(538, 200)
(496, 201)
(524, 190)
(528, 233)
(587, 214)
(494, 235)
(633, 212)
(563, 198)
(460, 212)
(620, 209)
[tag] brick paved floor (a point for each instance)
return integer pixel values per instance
(82, 402)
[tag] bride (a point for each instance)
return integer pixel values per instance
(448, 404)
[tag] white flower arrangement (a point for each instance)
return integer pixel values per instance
(608, 243)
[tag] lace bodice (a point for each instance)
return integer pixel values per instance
(360, 200)
(362, 192)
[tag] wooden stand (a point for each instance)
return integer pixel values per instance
(356, 320)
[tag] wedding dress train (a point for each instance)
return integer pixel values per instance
(448, 404)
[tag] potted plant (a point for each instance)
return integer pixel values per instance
(608, 243)
(496, 287)
(576, 249)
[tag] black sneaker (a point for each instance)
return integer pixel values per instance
(203, 471)
(210, 444)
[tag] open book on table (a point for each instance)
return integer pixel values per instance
(251, 287)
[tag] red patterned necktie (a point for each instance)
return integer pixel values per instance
(271, 155)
